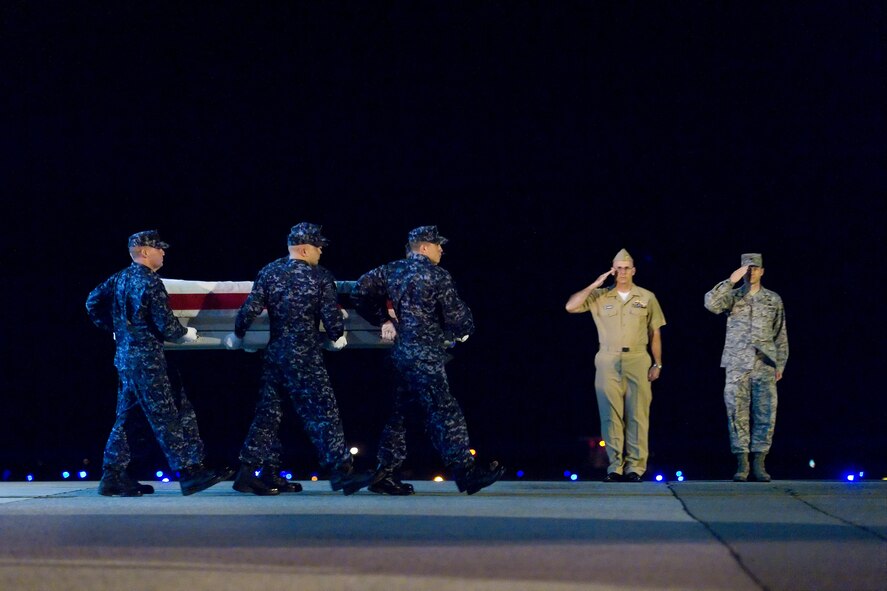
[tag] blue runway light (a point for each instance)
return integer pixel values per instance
(678, 473)
(82, 474)
(811, 463)
(520, 473)
(29, 477)
(862, 474)
(159, 474)
(659, 478)
(851, 477)
(567, 473)
(66, 474)
(680, 478)
(288, 475)
(574, 477)
(164, 479)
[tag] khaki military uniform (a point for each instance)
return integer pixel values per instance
(621, 366)
(755, 349)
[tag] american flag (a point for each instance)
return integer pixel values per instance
(211, 307)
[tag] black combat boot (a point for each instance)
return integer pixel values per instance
(475, 477)
(145, 489)
(348, 480)
(757, 466)
(115, 484)
(197, 477)
(247, 482)
(741, 468)
(386, 482)
(272, 478)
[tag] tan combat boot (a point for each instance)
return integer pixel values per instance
(741, 468)
(757, 467)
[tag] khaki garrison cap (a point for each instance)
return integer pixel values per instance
(622, 255)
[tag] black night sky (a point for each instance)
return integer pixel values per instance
(540, 138)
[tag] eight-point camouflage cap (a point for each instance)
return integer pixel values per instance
(305, 233)
(426, 234)
(147, 238)
(752, 259)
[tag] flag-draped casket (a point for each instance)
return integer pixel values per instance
(211, 306)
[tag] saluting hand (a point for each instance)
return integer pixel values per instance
(577, 300)
(600, 280)
(738, 274)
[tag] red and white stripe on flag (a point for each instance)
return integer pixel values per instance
(211, 307)
(188, 298)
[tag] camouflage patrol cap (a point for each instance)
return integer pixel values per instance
(146, 238)
(622, 255)
(426, 234)
(305, 233)
(752, 259)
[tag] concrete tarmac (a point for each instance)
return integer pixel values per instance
(513, 536)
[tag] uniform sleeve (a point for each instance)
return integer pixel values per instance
(329, 307)
(780, 337)
(457, 316)
(592, 297)
(98, 304)
(159, 312)
(252, 307)
(655, 318)
(370, 297)
(720, 298)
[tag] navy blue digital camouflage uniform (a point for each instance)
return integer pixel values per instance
(298, 297)
(430, 314)
(133, 304)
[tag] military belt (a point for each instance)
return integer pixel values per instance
(639, 349)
